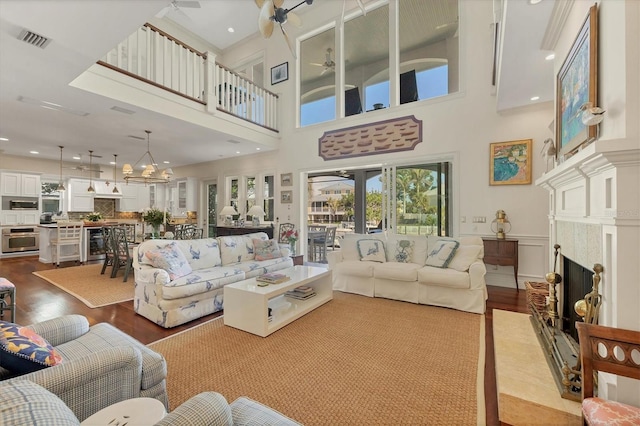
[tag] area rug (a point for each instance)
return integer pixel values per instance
(86, 284)
(354, 360)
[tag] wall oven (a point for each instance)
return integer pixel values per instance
(20, 239)
(23, 204)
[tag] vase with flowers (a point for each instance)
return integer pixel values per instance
(93, 217)
(155, 217)
(291, 236)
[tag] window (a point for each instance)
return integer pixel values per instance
(268, 200)
(317, 79)
(233, 199)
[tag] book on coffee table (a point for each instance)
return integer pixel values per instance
(298, 295)
(272, 278)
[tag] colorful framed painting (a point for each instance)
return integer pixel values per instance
(576, 87)
(286, 197)
(511, 163)
(280, 73)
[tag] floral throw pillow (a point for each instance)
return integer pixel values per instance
(265, 250)
(442, 253)
(171, 259)
(23, 351)
(371, 250)
(404, 251)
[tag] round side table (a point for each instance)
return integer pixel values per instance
(136, 411)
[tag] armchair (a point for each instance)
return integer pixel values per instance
(607, 350)
(95, 359)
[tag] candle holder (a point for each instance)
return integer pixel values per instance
(501, 225)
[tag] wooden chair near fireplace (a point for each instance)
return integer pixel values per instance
(608, 350)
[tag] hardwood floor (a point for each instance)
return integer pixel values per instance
(38, 300)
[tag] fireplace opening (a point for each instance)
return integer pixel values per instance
(577, 281)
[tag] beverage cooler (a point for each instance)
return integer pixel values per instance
(94, 244)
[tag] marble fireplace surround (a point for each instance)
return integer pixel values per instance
(594, 215)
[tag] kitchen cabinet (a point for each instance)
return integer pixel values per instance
(135, 197)
(78, 199)
(17, 217)
(157, 195)
(19, 184)
(184, 196)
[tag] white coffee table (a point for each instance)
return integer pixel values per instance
(246, 304)
(135, 411)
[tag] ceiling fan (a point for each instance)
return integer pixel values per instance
(83, 167)
(329, 64)
(271, 11)
(176, 5)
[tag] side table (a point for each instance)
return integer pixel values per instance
(503, 253)
(298, 259)
(135, 411)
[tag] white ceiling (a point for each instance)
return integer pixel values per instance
(83, 31)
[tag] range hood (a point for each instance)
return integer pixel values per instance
(104, 191)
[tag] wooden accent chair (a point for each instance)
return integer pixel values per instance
(610, 350)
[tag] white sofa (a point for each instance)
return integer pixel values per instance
(460, 285)
(215, 262)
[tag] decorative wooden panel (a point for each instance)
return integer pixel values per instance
(382, 137)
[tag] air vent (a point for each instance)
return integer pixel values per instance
(233, 141)
(122, 110)
(34, 39)
(136, 137)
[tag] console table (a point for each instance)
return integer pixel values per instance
(223, 231)
(503, 253)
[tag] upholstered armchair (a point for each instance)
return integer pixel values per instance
(607, 350)
(24, 402)
(100, 366)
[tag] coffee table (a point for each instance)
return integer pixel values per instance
(246, 305)
(135, 411)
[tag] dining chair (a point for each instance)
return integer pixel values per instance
(322, 242)
(130, 229)
(122, 249)
(69, 235)
(109, 249)
(607, 350)
(314, 234)
(188, 232)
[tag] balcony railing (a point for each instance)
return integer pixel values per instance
(155, 57)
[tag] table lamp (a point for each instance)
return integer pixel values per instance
(227, 212)
(256, 212)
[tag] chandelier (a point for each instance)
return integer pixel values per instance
(151, 173)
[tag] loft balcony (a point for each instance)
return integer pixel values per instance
(154, 70)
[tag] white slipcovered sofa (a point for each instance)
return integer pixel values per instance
(197, 289)
(402, 270)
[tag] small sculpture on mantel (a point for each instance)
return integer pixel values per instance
(548, 151)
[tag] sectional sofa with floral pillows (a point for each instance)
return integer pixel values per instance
(177, 281)
(429, 270)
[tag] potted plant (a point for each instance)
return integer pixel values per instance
(94, 217)
(156, 217)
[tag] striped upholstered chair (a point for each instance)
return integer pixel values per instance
(23, 402)
(94, 359)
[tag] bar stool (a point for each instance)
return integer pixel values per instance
(7, 289)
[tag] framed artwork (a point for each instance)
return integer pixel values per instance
(576, 86)
(286, 197)
(510, 163)
(286, 179)
(280, 73)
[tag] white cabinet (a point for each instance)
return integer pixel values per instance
(78, 199)
(158, 196)
(16, 217)
(185, 196)
(135, 197)
(19, 184)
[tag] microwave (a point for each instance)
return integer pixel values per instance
(23, 204)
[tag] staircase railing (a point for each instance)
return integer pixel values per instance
(157, 58)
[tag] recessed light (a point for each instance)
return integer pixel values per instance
(112, 163)
(535, 98)
(4, 139)
(534, 1)
(237, 152)
(76, 157)
(550, 57)
(34, 152)
(257, 149)
(166, 162)
(231, 30)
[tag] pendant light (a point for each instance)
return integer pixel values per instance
(115, 178)
(60, 183)
(150, 172)
(91, 188)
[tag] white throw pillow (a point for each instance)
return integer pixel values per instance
(371, 250)
(464, 257)
(441, 253)
(403, 251)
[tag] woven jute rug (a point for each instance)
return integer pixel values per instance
(86, 284)
(354, 360)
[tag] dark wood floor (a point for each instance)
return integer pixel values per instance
(37, 300)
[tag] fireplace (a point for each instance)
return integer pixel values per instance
(577, 281)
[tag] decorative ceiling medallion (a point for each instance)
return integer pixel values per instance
(382, 137)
